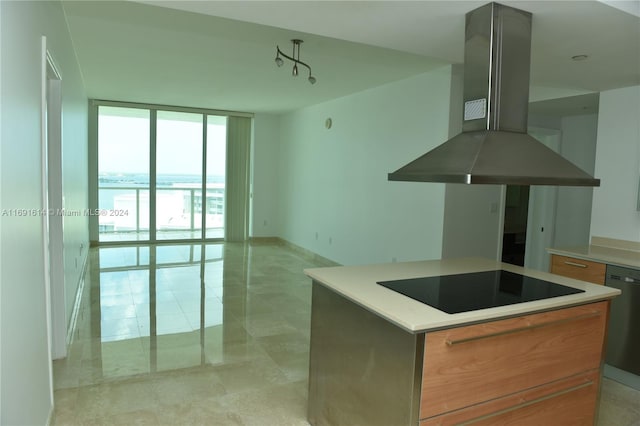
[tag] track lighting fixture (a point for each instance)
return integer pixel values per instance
(295, 58)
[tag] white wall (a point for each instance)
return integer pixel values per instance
(335, 198)
(614, 213)
(573, 214)
(473, 221)
(24, 360)
(266, 171)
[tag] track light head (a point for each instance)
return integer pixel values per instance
(295, 58)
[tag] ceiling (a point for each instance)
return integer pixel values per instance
(220, 54)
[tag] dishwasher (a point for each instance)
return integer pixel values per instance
(623, 342)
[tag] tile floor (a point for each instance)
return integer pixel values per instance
(135, 237)
(157, 345)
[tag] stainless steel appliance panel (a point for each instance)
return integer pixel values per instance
(623, 345)
(363, 370)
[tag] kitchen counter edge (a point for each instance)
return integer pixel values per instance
(359, 285)
(607, 255)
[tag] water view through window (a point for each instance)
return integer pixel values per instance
(126, 154)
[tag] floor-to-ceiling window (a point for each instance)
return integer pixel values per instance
(179, 171)
(162, 173)
(123, 173)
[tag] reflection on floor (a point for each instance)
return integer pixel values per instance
(142, 236)
(157, 344)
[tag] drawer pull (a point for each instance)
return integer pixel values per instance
(579, 265)
(519, 329)
(527, 403)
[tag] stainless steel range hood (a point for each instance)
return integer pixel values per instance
(494, 147)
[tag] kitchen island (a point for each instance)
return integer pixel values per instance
(381, 358)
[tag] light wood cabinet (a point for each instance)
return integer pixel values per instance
(584, 270)
(501, 368)
(570, 401)
(535, 369)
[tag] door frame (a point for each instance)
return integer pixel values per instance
(52, 201)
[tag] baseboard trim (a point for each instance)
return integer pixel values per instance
(51, 419)
(309, 254)
(266, 240)
(73, 321)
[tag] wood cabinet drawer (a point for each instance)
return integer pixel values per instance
(570, 401)
(473, 364)
(585, 270)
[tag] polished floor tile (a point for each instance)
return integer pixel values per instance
(619, 405)
(186, 334)
(214, 334)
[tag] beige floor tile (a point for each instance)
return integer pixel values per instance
(619, 405)
(109, 399)
(284, 347)
(132, 418)
(280, 405)
(220, 353)
(246, 376)
(198, 413)
(189, 386)
(267, 325)
(65, 406)
(247, 366)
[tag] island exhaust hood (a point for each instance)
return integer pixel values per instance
(494, 147)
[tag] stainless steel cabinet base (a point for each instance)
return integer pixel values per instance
(363, 370)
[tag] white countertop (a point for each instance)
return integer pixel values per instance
(359, 284)
(608, 255)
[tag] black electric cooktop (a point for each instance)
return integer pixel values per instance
(478, 290)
